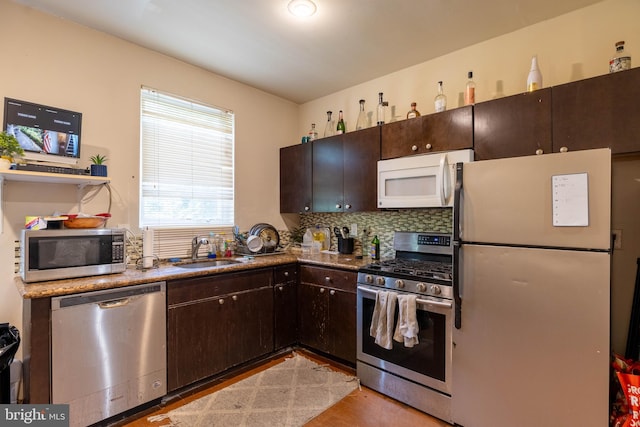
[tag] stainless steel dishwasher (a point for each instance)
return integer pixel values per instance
(108, 350)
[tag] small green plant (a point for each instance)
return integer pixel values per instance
(9, 146)
(98, 159)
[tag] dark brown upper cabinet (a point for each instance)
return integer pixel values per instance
(445, 131)
(518, 125)
(599, 112)
(295, 179)
(345, 171)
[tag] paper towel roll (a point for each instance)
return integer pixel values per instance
(147, 248)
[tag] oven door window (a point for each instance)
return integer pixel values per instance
(427, 357)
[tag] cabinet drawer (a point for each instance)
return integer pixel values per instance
(333, 278)
(285, 273)
(197, 288)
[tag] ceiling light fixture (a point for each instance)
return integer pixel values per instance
(302, 8)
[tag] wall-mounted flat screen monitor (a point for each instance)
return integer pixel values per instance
(47, 134)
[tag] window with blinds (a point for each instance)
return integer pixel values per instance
(187, 168)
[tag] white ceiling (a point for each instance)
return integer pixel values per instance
(347, 42)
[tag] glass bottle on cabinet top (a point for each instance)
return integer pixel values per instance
(328, 128)
(413, 113)
(361, 123)
(341, 128)
(534, 80)
(620, 61)
(470, 90)
(380, 110)
(440, 100)
(313, 133)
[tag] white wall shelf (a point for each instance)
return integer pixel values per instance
(45, 178)
(53, 178)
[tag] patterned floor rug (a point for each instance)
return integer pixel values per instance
(286, 395)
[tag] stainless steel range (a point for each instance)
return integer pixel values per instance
(419, 376)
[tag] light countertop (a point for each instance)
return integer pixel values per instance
(168, 271)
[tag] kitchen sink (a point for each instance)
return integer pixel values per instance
(206, 263)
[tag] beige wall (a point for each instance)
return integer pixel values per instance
(55, 62)
(571, 47)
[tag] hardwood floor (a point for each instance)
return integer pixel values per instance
(361, 408)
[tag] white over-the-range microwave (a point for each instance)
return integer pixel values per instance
(421, 181)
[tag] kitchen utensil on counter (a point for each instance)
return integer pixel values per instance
(345, 245)
(254, 243)
(337, 232)
(269, 235)
(345, 232)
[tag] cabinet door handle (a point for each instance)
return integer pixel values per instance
(539, 151)
(563, 149)
(281, 288)
(338, 206)
(414, 148)
(286, 274)
(306, 208)
(347, 206)
(235, 297)
(327, 279)
(332, 292)
(428, 146)
(322, 290)
(220, 301)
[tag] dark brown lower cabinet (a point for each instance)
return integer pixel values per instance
(285, 306)
(327, 311)
(217, 322)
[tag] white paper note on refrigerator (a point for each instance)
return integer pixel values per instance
(570, 195)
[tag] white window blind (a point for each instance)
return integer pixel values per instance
(187, 168)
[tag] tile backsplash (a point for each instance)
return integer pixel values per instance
(383, 224)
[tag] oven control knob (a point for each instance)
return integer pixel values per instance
(421, 287)
(368, 278)
(400, 284)
(435, 289)
(380, 281)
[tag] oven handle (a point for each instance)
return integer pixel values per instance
(438, 304)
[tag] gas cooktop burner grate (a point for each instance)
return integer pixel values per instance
(413, 268)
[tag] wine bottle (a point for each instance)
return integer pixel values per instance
(362, 117)
(380, 110)
(470, 90)
(413, 113)
(534, 80)
(313, 133)
(328, 128)
(441, 99)
(341, 128)
(375, 248)
(620, 61)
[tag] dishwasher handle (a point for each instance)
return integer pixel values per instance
(107, 298)
(114, 304)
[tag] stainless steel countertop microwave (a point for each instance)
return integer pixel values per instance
(68, 253)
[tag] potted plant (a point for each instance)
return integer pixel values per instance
(9, 149)
(98, 168)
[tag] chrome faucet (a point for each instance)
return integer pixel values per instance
(196, 242)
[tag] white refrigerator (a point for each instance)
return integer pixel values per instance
(531, 282)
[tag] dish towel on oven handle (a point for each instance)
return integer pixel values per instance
(407, 328)
(383, 319)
